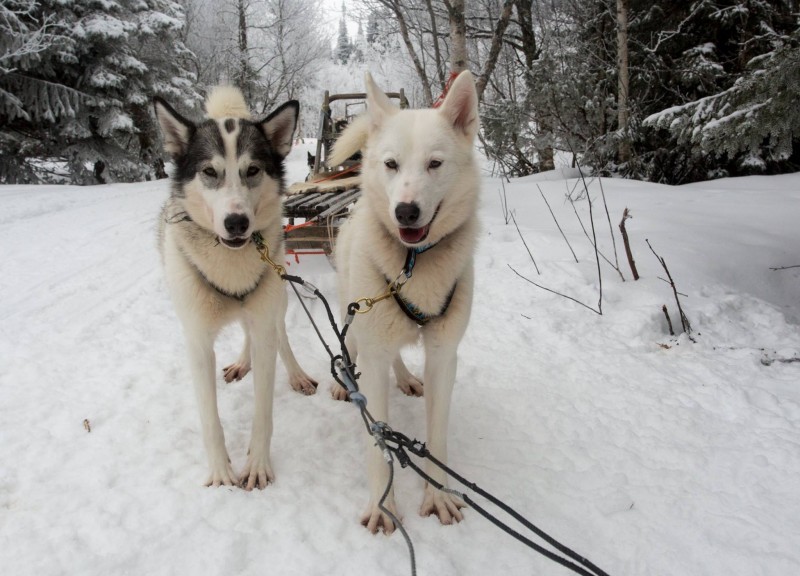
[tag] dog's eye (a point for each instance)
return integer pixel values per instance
(434, 164)
(210, 172)
(252, 171)
(390, 164)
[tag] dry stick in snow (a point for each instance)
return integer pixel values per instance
(593, 240)
(625, 215)
(594, 244)
(526, 244)
(610, 228)
(504, 201)
(785, 267)
(669, 320)
(557, 224)
(684, 320)
(554, 292)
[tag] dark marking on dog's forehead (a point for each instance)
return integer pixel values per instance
(230, 125)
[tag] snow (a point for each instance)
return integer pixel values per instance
(648, 454)
(104, 26)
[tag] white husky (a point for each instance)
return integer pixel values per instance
(227, 186)
(417, 210)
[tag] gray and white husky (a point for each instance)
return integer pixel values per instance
(420, 189)
(227, 186)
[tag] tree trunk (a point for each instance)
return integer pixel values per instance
(458, 36)
(544, 148)
(394, 6)
(243, 64)
(622, 84)
(494, 50)
(436, 51)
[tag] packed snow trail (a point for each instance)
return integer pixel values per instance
(648, 454)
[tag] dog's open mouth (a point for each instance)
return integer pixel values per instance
(234, 242)
(417, 235)
(414, 235)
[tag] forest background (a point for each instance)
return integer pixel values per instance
(666, 91)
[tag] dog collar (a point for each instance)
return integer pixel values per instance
(411, 258)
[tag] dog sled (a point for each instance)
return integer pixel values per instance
(317, 207)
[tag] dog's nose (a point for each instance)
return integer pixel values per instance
(407, 213)
(237, 224)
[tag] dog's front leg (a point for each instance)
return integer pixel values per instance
(200, 344)
(298, 379)
(440, 376)
(374, 383)
(258, 470)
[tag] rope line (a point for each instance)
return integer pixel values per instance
(394, 444)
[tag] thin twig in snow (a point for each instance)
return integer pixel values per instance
(557, 224)
(526, 244)
(668, 282)
(504, 202)
(684, 320)
(554, 292)
(594, 245)
(785, 267)
(610, 228)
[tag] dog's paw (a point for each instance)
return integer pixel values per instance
(235, 371)
(303, 383)
(257, 473)
(375, 520)
(411, 386)
(338, 392)
(221, 475)
(447, 507)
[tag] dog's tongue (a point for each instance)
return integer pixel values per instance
(413, 235)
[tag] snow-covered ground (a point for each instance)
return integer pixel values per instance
(649, 454)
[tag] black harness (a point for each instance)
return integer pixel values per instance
(409, 308)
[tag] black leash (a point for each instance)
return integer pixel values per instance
(394, 444)
(344, 372)
(403, 443)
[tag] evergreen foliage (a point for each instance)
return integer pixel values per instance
(81, 102)
(752, 126)
(343, 45)
(713, 83)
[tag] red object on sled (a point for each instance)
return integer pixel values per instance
(450, 80)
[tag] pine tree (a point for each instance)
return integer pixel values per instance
(343, 45)
(372, 28)
(706, 67)
(86, 100)
(751, 126)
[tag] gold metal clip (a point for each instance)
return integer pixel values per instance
(263, 249)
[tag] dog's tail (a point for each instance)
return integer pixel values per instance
(226, 102)
(353, 139)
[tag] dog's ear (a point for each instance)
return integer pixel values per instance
(460, 106)
(378, 104)
(176, 129)
(279, 127)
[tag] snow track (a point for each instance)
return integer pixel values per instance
(648, 454)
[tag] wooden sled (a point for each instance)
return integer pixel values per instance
(317, 207)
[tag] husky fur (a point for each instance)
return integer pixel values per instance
(420, 187)
(227, 185)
